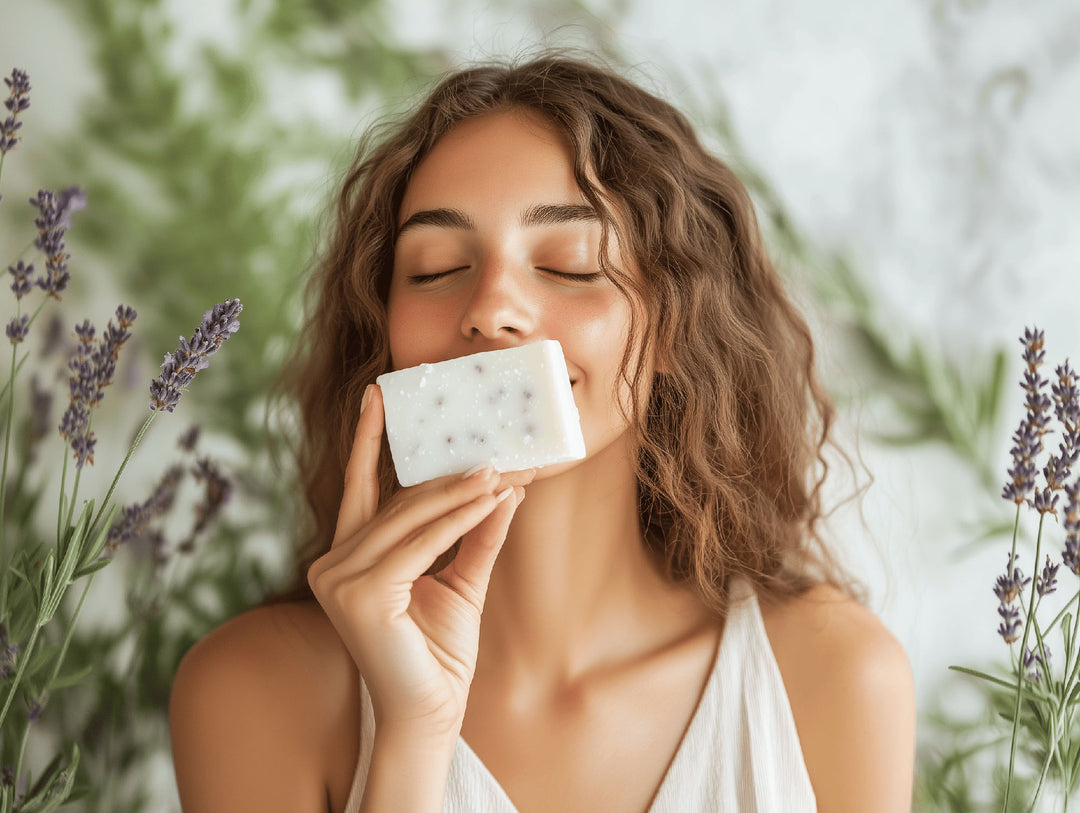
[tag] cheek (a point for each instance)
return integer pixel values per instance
(412, 327)
(603, 335)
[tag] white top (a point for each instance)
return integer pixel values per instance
(740, 753)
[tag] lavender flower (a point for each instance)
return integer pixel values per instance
(1066, 397)
(7, 776)
(1009, 584)
(1047, 581)
(1007, 588)
(1071, 557)
(216, 492)
(1031, 659)
(54, 335)
(92, 367)
(136, 517)
(41, 400)
(179, 368)
(1045, 501)
(17, 329)
(22, 284)
(189, 439)
(71, 199)
(1009, 628)
(50, 240)
(19, 83)
(17, 101)
(1027, 440)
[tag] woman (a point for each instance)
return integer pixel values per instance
(662, 629)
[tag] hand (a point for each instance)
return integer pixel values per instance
(414, 638)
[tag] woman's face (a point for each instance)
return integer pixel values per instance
(497, 248)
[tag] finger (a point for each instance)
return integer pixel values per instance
(409, 514)
(410, 559)
(361, 495)
(470, 571)
(516, 478)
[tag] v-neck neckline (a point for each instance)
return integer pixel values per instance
(680, 750)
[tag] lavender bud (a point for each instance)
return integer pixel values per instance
(50, 240)
(216, 492)
(1071, 556)
(1010, 583)
(1009, 628)
(17, 101)
(8, 655)
(189, 439)
(1047, 581)
(1027, 440)
(135, 518)
(19, 83)
(1045, 501)
(179, 369)
(1033, 342)
(1032, 658)
(72, 199)
(83, 447)
(22, 284)
(18, 328)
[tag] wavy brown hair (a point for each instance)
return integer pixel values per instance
(730, 441)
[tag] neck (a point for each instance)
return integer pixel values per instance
(574, 587)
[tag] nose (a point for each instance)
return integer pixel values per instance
(499, 305)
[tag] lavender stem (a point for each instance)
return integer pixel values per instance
(1020, 672)
(7, 441)
(71, 629)
(92, 533)
(19, 673)
(78, 476)
(22, 753)
(29, 324)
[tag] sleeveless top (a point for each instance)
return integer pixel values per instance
(739, 754)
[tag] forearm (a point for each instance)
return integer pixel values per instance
(407, 773)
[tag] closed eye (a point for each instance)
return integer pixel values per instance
(422, 279)
(591, 277)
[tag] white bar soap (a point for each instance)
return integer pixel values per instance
(512, 408)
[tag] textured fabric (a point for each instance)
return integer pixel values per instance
(740, 753)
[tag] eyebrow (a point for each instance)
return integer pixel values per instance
(540, 214)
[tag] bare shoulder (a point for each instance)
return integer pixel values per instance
(852, 695)
(257, 710)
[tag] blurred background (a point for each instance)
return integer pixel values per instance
(916, 164)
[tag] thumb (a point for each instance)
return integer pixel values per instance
(470, 571)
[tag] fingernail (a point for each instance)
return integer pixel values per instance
(521, 498)
(477, 469)
(366, 399)
(502, 495)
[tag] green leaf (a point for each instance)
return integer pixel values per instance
(98, 545)
(93, 567)
(71, 678)
(42, 657)
(47, 576)
(53, 787)
(72, 541)
(984, 676)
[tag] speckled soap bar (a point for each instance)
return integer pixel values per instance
(512, 408)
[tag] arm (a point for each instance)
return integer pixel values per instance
(245, 735)
(408, 773)
(852, 696)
